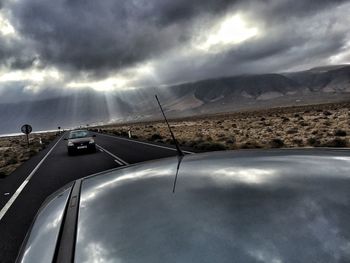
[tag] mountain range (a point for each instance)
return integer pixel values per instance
(225, 94)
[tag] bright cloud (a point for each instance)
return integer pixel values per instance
(31, 75)
(230, 31)
(6, 28)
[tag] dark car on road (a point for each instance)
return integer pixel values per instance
(244, 206)
(80, 141)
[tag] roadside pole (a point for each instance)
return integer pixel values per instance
(27, 129)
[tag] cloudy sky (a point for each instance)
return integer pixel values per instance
(55, 46)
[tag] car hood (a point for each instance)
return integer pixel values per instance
(40, 242)
(243, 206)
(254, 206)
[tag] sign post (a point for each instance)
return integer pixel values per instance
(59, 129)
(26, 129)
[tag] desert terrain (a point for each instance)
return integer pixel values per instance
(324, 125)
(14, 150)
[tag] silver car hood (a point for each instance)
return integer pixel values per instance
(245, 206)
(40, 245)
(242, 206)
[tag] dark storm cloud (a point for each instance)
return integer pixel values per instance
(14, 54)
(293, 43)
(107, 34)
(102, 35)
(284, 9)
(169, 12)
(284, 42)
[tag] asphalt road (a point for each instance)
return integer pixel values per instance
(51, 169)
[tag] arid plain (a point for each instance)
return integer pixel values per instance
(325, 125)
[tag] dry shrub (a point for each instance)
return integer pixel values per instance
(210, 146)
(313, 141)
(337, 142)
(298, 142)
(292, 131)
(276, 143)
(340, 132)
(155, 136)
(250, 145)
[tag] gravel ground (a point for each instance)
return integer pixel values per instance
(14, 150)
(325, 125)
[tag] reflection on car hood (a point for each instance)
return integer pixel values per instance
(245, 206)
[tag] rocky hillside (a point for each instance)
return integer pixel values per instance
(319, 85)
(227, 94)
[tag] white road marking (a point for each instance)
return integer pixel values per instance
(145, 143)
(26, 181)
(122, 162)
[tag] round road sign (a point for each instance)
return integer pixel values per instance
(26, 129)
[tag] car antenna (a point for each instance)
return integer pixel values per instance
(180, 154)
(179, 160)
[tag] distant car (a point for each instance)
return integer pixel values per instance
(244, 206)
(79, 141)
